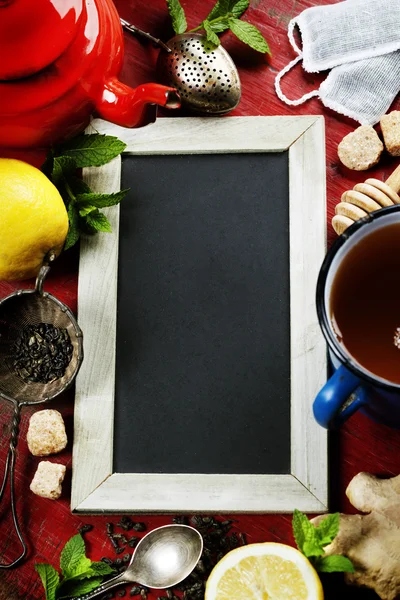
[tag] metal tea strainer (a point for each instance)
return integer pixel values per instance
(17, 311)
(207, 82)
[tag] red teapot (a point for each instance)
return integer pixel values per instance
(59, 63)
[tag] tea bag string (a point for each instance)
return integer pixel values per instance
(288, 68)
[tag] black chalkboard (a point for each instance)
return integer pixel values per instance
(203, 349)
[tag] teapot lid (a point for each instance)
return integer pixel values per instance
(33, 34)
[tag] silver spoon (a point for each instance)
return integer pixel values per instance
(162, 559)
(208, 82)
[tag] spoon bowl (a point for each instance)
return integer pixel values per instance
(165, 556)
(162, 559)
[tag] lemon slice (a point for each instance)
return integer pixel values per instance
(264, 572)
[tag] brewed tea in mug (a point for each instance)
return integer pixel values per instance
(364, 305)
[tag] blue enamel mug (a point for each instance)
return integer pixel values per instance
(352, 387)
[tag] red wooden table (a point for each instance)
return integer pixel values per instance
(361, 445)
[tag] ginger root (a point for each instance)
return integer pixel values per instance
(371, 541)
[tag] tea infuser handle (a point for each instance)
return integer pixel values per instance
(9, 471)
(339, 399)
(44, 269)
(104, 587)
(136, 31)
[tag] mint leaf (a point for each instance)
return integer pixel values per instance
(249, 34)
(177, 15)
(73, 231)
(312, 549)
(78, 186)
(72, 589)
(334, 563)
(63, 166)
(47, 166)
(101, 568)
(72, 555)
(219, 25)
(50, 579)
(86, 209)
(212, 38)
(101, 200)
(239, 8)
(328, 529)
(220, 10)
(303, 531)
(92, 150)
(98, 221)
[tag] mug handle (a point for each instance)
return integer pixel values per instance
(332, 406)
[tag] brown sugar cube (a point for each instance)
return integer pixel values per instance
(48, 479)
(46, 433)
(390, 125)
(361, 149)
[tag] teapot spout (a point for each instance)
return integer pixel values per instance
(137, 107)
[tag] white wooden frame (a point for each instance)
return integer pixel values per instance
(95, 488)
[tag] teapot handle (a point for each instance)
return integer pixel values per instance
(134, 107)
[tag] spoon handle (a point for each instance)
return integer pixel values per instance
(104, 587)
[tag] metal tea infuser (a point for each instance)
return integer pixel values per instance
(17, 311)
(207, 82)
(163, 558)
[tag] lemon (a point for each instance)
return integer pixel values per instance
(266, 571)
(33, 219)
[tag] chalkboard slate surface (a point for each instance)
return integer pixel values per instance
(203, 348)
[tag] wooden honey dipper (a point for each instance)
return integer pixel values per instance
(364, 198)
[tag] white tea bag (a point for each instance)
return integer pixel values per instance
(361, 36)
(363, 90)
(345, 32)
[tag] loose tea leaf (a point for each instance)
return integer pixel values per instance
(41, 353)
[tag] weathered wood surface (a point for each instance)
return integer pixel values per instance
(360, 446)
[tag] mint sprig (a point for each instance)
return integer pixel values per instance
(177, 16)
(79, 574)
(311, 541)
(82, 204)
(224, 15)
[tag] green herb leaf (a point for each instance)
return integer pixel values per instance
(219, 25)
(72, 556)
(304, 532)
(78, 186)
(239, 8)
(50, 579)
(212, 38)
(47, 166)
(85, 209)
(63, 166)
(328, 529)
(220, 9)
(73, 234)
(101, 568)
(101, 200)
(249, 34)
(98, 221)
(334, 563)
(177, 15)
(312, 549)
(73, 588)
(92, 150)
